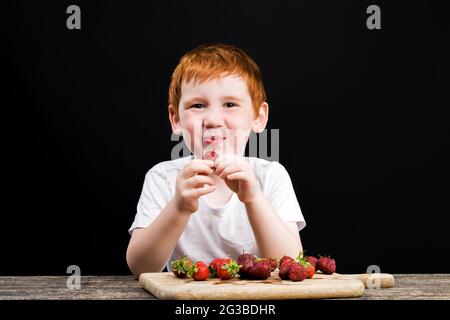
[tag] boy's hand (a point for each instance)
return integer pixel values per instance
(239, 176)
(191, 182)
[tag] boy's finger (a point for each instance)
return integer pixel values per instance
(227, 160)
(196, 193)
(197, 180)
(220, 163)
(196, 168)
(209, 163)
(218, 160)
(229, 170)
(219, 170)
(239, 175)
(225, 163)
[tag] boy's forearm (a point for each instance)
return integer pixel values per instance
(150, 250)
(273, 237)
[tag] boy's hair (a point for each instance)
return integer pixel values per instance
(210, 61)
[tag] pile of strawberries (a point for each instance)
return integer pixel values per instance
(304, 267)
(248, 266)
(255, 268)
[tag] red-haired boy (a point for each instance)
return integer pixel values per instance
(217, 202)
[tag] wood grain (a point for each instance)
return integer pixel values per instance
(413, 287)
(55, 288)
(164, 285)
(407, 287)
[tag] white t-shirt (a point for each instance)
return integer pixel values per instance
(216, 232)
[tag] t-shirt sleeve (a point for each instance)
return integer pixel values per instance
(154, 197)
(281, 194)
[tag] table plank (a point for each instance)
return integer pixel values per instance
(407, 287)
(55, 288)
(414, 287)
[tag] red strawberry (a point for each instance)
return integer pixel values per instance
(326, 265)
(213, 267)
(284, 269)
(180, 267)
(297, 272)
(246, 261)
(215, 262)
(223, 261)
(286, 259)
(227, 269)
(260, 270)
(273, 264)
(310, 270)
(313, 260)
(199, 271)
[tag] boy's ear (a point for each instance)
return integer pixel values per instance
(174, 119)
(261, 118)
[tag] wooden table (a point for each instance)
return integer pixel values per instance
(408, 286)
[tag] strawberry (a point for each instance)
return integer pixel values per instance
(213, 267)
(285, 259)
(313, 260)
(246, 261)
(260, 269)
(297, 272)
(326, 265)
(227, 269)
(284, 268)
(310, 269)
(180, 267)
(273, 264)
(199, 271)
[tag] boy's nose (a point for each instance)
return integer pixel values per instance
(213, 119)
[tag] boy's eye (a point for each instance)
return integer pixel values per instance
(198, 106)
(230, 105)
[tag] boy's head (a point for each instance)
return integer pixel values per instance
(216, 97)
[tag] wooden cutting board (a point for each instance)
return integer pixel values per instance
(164, 285)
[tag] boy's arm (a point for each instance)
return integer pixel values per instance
(150, 248)
(274, 237)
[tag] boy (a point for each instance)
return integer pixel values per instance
(215, 203)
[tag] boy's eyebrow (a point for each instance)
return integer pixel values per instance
(194, 99)
(232, 98)
(202, 99)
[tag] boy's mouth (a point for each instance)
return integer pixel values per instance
(213, 139)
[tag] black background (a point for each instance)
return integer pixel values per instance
(363, 118)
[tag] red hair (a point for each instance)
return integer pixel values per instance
(211, 61)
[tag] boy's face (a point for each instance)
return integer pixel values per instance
(216, 116)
